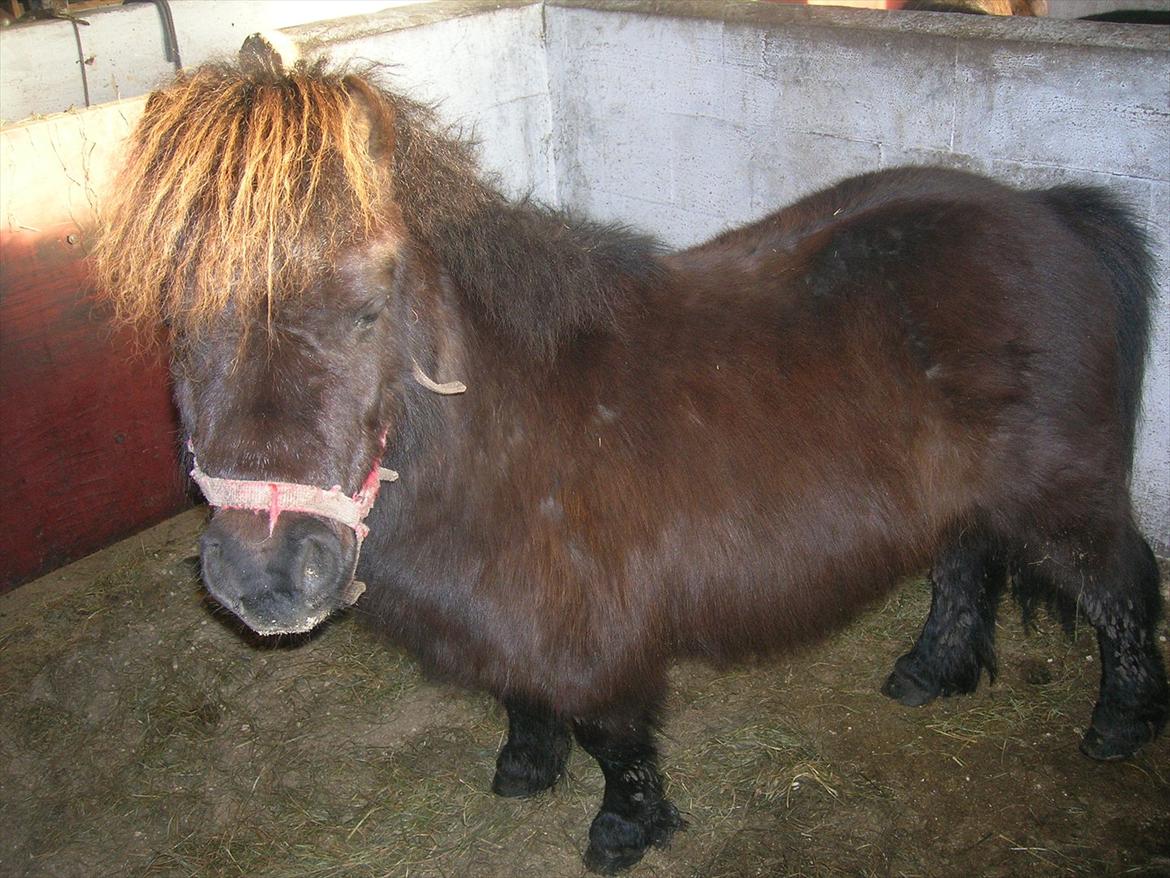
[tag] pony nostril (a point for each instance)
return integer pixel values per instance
(318, 566)
(218, 574)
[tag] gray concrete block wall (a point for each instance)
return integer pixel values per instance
(689, 124)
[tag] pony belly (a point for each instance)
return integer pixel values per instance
(511, 649)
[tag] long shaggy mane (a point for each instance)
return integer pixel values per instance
(238, 188)
(241, 187)
(539, 275)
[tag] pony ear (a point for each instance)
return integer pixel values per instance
(375, 118)
(268, 52)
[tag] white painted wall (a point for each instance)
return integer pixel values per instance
(484, 63)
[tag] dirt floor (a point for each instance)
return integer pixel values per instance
(142, 734)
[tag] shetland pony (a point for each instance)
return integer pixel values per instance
(610, 456)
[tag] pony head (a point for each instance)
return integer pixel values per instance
(254, 217)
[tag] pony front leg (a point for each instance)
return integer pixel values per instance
(635, 813)
(533, 758)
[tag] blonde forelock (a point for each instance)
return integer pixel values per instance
(238, 190)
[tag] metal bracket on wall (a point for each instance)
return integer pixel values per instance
(170, 38)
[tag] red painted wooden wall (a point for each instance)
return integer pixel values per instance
(89, 444)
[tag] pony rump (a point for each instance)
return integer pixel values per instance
(238, 190)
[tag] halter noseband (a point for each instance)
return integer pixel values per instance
(277, 497)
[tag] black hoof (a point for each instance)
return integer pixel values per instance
(908, 686)
(616, 843)
(1117, 743)
(519, 787)
(523, 773)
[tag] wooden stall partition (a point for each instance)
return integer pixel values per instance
(88, 435)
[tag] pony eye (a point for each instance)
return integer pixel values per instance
(369, 315)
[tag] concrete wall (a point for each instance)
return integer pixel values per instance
(711, 114)
(485, 69)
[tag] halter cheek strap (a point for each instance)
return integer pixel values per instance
(277, 497)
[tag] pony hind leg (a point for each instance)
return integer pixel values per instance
(958, 638)
(533, 758)
(1114, 584)
(635, 813)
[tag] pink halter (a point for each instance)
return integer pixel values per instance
(277, 497)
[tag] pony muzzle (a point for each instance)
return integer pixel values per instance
(283, 582)
(281, 555)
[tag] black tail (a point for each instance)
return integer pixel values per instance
(1110, 228)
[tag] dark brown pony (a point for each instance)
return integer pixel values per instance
(718, 453)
